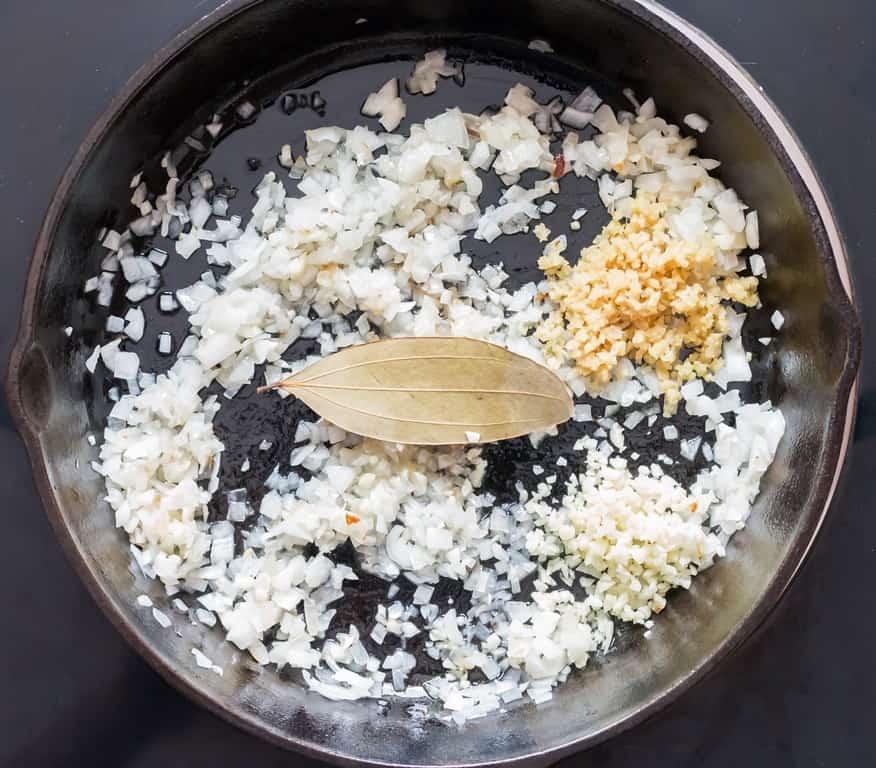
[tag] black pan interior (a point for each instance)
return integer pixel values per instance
(269, 50)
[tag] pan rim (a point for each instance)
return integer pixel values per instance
(795, 163)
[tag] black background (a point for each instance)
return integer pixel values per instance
(801, 693)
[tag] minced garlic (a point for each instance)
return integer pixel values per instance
(641, 292)
(541, 232)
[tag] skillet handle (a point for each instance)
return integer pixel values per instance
(29, 388)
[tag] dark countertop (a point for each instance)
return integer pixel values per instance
(801, 693)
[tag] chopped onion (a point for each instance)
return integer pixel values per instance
(135, 323)
(542, 46)
(777, 319)
(125, 365)
(245, 110)
(161, 617)
(757, 265)
(386, 105)
(575, 117)
(165, 343)
(91, 362)
(587, 101)
(752, 230)
(200, 211)
(157, 257)
(142, 227)
(424, 78)
(112, 240)
(167, 302)
(696, 122)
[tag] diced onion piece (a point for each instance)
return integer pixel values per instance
(777, 319)
(696, 122)
(424, 78)
(386, 105)
(752, 230)
(542, 46)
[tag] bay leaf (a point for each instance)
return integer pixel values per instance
(432, 391)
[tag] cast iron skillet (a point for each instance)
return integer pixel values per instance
(266, 47)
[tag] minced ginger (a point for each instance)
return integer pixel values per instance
(641, 292)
